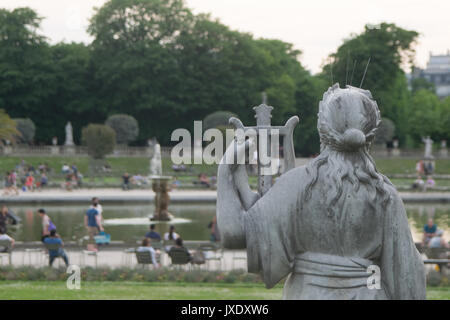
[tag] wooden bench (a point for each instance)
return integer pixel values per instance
(442, 263)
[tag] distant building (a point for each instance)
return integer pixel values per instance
(437, 72)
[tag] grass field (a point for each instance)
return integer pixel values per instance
(154, 291)
(140, 165)
(135, 165)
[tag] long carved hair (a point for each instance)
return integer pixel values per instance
(347, 123)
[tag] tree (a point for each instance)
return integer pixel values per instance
(26, 128)
(217, 119)
(421, 83)
(389, 48)
(99, 139)
(423, 116)
(444, 119)
(8, 130)
(27, 80)
(134, 57)
(385, 132)
(74, 96)
(125, 126)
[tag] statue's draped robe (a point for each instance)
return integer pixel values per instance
(327, 256)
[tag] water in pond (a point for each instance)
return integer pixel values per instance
(128, 222)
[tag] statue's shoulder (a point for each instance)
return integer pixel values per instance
(394, 196)
(295, 175)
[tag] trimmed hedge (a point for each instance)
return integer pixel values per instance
(28, 273)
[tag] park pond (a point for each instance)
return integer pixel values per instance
(131, 222)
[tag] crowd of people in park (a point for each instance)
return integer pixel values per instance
(424, 169)
(128, 181)
(433, 237)
(25, 177)
(73, 177)
(93, 223)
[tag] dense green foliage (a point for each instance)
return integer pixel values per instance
(385, 132)
(125, 126)
(26, 128)
(389, 48)
(8, 128)
(159, 63)
(155, 61)
(99, 139)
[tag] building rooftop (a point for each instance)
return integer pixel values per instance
(438, 63)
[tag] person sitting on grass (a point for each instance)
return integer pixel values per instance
(176, 183)
(147, 246)
(419, 184)
(430, 182)
(204, 180)
(7, 184)
(44, 181)
(53, 254)
(29, 182)
(126, 181)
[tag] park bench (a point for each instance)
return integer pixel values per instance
(437, 256)
(442, 263)
(436, 253)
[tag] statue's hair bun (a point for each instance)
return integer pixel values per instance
(353, 139)
(338, 129)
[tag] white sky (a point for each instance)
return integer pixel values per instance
(316, 27)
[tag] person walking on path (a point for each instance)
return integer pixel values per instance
(47, 224)
(93, 224)
(96, 204)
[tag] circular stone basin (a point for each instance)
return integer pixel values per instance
(142, 221)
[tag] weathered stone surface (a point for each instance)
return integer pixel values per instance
(328, 224)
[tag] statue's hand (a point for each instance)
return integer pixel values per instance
(237, 150)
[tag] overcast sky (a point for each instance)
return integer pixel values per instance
(316, 27)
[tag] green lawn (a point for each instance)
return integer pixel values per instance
(119, 165)
(137, 291)
(154, 291)
(408, 166)
(140, 165)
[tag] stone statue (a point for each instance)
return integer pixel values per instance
(335, 227)
(155, 162)
(443, 151)
(428, 148)
(69, 135)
